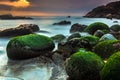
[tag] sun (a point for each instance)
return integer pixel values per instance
(21, 3)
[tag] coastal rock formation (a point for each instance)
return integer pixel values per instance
(29, 46)
(10, 17)
(111, 10)
(77, 28)
(20, 30)
(58, 37)
(63, 23)
(84, 65)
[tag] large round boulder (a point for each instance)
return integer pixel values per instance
(74, 35)
(111, 70)
(96, 26)
(84, 65)
(77, 27)
(106, 48)
(29, 46)
(115, 28)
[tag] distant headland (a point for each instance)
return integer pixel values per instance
(110, 10)
(9, 16)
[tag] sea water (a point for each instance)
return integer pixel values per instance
(34, 71)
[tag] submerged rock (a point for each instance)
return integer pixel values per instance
(111, 70)
(84, 65)
(77, 28)
(58, 38)
(29, 46)
(63, 23)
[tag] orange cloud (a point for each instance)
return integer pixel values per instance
(18, 4)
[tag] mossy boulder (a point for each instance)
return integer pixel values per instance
(84, 65)
(106, 48)
(111, 70)
(99, 33)
(29, 46)
(97, 26)
(74, 35)
(58, 37)
(115, 28)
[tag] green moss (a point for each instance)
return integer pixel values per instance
(32, 40)
(111, 70)
(96, 26)
(84, 65)
(91, 39)
(58, 37)
(107, 48)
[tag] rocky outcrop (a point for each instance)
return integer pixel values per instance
(63, 23)
(111, 10)
(20, 30)
(29, 46)
(10, 17)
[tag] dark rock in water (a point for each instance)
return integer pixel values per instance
(10, 17)
(58, 38)
(68, 16)
(84, 65)
(77, 28)
(33, 27)
(92, 28)
(107, 37)
(116, 34)
(29, 46)
(20, 30)
(111, 10)
(63, 23)
(99, 33)
(11, 32)
(74, 35)
(115, 21)
(115, 28)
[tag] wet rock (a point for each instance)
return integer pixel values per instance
(107, 37)
(74, 35)
(29, 46)
(11, 32)
(115, 21)
(84, 65)
(33, 27)
(116, 34)
(99, 33)
(92, 28)
(58, 38)
(111, 10)
(106, 48)
(115, 28)
(111, 69)
(62, 23)
(77, 27)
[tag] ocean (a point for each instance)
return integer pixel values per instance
(38, 71)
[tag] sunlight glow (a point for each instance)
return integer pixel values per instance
(18, 4)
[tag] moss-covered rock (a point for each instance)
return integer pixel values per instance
(58, 37)
(29, 46)
(111, 70)
(74, 35)
(99, 33)
(96, 26)
(106, 48)
(84, 65)
(115, 28)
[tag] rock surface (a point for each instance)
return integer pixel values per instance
(77, 27)
(111, 10)
(63, 23)
(20, 30)
(29, 46)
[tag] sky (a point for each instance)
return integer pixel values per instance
(49, 7)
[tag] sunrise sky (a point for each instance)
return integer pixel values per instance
(49, 7)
